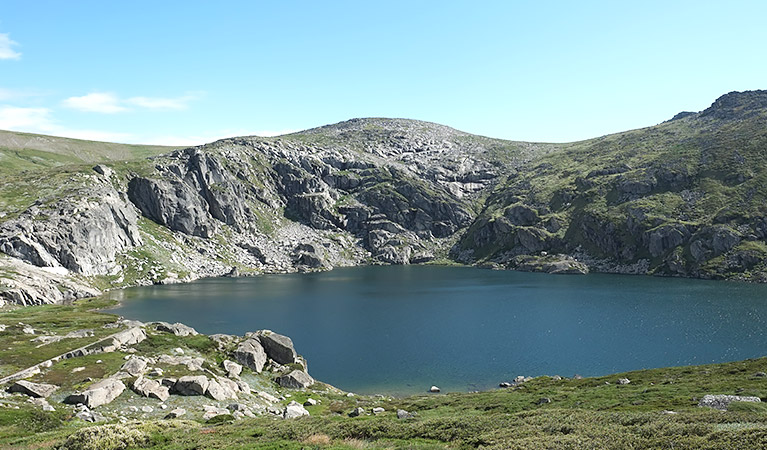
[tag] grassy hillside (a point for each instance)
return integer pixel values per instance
(686, 197)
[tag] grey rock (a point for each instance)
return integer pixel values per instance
(135, 366)
(721, 402)
(37, 390)
(151, 388)
(310, 402)
(434, 389)
(173, 204)
(378, 410)
(297, 379)
(219, 390)
(251, 354)
(294, 410)
(544, 400)
(233, 369)
(623, 381)
(277, 347)
(90, 416)
(99, 393)
(402, 414)
(179, 329)
(191, 385)
(356, 412)
(175, 413)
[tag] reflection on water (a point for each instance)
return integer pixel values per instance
(401, 329)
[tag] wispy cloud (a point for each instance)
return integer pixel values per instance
(100, 102)
(177, 103)
(109, 103)
(16, 118)
(6, 50)
(40, 120)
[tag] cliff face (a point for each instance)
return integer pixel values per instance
(685, 198)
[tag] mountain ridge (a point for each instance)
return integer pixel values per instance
(682, 198)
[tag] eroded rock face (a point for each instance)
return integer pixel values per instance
(250, 353)
(82, 234)
(98, 393)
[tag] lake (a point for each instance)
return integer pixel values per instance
(401, 329)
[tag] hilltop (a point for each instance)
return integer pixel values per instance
(682, 198)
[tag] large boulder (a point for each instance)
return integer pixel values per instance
(191, 385)
(135, 366)
(250, 353)
(151, 388)
(37, 390)
(294, 410)
(278, 347)
(221, 389)
(297, 379)
(99, 393)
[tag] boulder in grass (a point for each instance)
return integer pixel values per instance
(721, 402)
(99, 393)
(294, 410)
(179, 329)
(36, 390)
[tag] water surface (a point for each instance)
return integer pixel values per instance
(400, 329)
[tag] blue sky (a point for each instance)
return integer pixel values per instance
(191, 72)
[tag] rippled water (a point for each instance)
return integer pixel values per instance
(400, 329)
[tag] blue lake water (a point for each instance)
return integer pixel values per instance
(400, 329)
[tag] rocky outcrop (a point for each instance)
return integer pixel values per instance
(191, 385)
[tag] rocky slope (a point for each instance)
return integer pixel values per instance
(682, 198)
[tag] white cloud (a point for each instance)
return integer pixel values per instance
(40, 120)
(15, 118)
(161, 103)
(101, 102)
(6, 52)
(108, 103)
